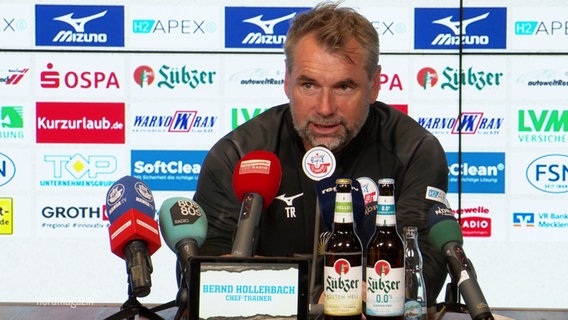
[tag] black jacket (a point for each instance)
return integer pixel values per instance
(390, 144)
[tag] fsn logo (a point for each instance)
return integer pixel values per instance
(242, 115)
(144, 76)
(79, 166)
(523, 219)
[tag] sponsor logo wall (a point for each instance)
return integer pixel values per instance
(92, 92)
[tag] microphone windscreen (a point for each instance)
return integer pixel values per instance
(182, 218)
(258, 172)
(129, 193)
(443, 226)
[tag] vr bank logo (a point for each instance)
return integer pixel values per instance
(523, 219)
(442, 28)
(82, 26)
(258, 27)
(480, 172)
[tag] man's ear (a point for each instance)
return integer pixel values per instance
(286, 79)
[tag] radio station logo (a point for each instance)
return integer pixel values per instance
(172, 77)
(7, 169)
(12, 76)
(541, 28)
(86, 79)
(78, 170)
(549, 173)
(475, 221)
(258, 27)
(183, 121)
(545, 126)
(454, 79)
(480, 172)
(11, 123)
(80, 122)
(6, 215)
(470, 123)
(446, 28)
(167, 170)
(79, 25)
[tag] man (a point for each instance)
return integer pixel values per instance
(332, 82)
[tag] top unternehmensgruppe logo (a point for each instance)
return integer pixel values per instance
(258, 27)
(79, 26)
(442, 28)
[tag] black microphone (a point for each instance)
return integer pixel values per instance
(256, 180)
(445, 233)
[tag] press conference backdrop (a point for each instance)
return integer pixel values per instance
(145, 88)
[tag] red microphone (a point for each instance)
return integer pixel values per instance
(256, 180)
(133, 231)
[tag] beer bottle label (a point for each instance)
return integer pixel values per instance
(343, 208)
(385, 290)
(343, 289)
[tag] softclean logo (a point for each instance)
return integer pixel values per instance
(446, 28)
(79, 25)
(258, 27)
(480, 172)
(80, 122)
(549, 173)
(167, 170)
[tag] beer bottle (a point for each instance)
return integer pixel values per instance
(415, 297)
(343, 261)
(385, 261)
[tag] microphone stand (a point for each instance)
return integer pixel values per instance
(451, 304)
(132, 307)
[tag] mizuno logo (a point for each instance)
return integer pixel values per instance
(79, 23)
(455, 25)
(268, 25)
(288, 200)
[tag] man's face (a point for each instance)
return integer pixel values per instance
(329, 96)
